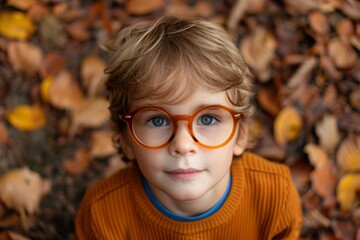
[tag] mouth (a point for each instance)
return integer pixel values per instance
(185, 174)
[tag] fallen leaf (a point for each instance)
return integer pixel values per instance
(303, 72)
(348, 155)
(78, 30)
(328, 133)
(4, 135)
(21, 4)
(287, 125)
(52, 32)
(45, 88)
(65, 92)
(346, 190)
(101, 144)
(345, 29)
(318, 22)
(38, 12)
(92, 75)
(300, 174)
(27, 117)
(52, 64)
(16, 25)
(259, 48)
(90, 113)
(269, 101)
(343, 55)
(141, 7)
(79, 164)
(324, 180)
(317, 156)
(25, 56)
(344, 229)
(22, 189)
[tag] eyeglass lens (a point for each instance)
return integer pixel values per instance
(211, 126)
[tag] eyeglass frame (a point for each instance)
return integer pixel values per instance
(128, 118)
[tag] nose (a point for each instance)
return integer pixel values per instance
(182, 143)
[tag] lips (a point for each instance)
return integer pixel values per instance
(185, 174)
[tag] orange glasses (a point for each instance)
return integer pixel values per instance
(210, 126)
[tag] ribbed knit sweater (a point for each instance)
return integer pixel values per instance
(262, 204)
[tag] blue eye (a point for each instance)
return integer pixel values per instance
(158, 122)
(207, 120)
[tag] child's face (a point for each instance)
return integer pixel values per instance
(183, 170)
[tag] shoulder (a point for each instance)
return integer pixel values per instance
(115, 183)
(253, 163)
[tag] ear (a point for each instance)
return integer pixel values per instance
(125, 146)
(241, 139)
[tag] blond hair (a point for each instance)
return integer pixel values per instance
(168, 59)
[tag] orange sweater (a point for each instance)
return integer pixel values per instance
(262, 204)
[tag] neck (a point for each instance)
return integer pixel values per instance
(195, 206)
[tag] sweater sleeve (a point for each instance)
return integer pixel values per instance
(290, 221)
(83, 223)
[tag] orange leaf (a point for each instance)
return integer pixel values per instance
(324, 180)
(65, 92)
(21, 4)
(346, 190)
(53, 63)
(91, 112)
(25, 56)
(22, 189)
(4, 135)
(348, 155)
(25, 117)
(79, 164)
(140, 7)
(319, 22)
(287, 125)
(16, 25)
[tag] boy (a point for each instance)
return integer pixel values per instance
(180, 96)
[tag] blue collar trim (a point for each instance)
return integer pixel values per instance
(176, 217)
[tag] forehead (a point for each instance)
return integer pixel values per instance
(197, 98)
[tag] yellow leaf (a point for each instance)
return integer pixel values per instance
(45, 88)
(16, 25)
(287, 125)
(25, 117)
(348, 155)
(348, 185)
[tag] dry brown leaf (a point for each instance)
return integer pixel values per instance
(92, 75)
(101, 144)
(64, 92)
(4, 135)
(351, 8)
(287, 126)
(90, 113)
(318, 22)
(303, 72)
(356, 216)
(21, 4)
(115, 164)
(345, 29)
(141, 7)
(343, 55)
(317, 156)
(269, 101)
(346, 190)
(258, 48)
(79, 163)
(344, 229)
(78, 30)
(27, 117)
(52, 64)
(348, 155)
(355, 98)
(38, 12)
(25, 56)
(324, 180)
(328, 133)
(52, 32)
(300, 174)
(16, 25)
(22, 189)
